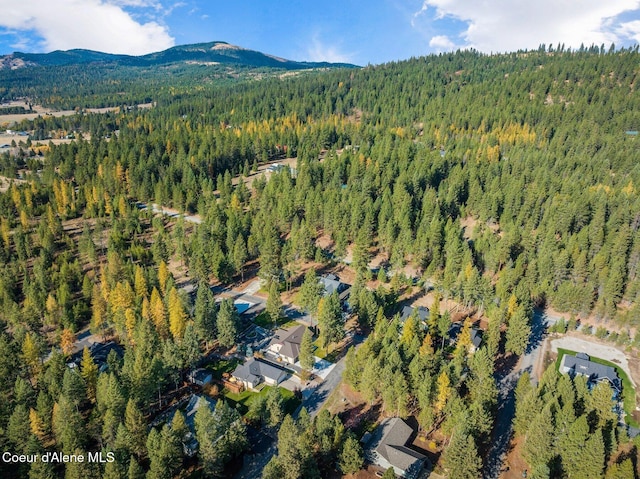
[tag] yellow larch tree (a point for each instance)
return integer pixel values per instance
(444, 391)
(158, 313)
(67, 340)
(163, 276)
(177, 316)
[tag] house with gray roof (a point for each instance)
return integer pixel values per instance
(476, 339)
(581, 364)
(200, 376)
(421, 312)
(332, 284)
(195, 402)
(286, 343)
(254, 371)
(387, 447)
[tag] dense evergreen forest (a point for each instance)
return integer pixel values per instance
(508, 181)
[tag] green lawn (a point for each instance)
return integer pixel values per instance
(219, 367)
(320, 351)
(628, 393)
(264, 321)
(243, 400)
(324, 353)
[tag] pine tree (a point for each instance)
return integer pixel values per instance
(227, 323)
(18, 428)
(274, 303)
(274, 406)
(538, 446)
(623, 470)
(330, 321)
(461, 458)
(518, 332)
(205, 313)
(240, 255)
(136, 427)
(571, 445)
(306, 350)
(351, 457)
(389, 474)
(591, 460)
(165, 453)
(310, 292)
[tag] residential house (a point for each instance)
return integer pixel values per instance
(331, 284)
(189, 442)
(421, 312)
(581, 364)
(99, 353)
(476, 339)
(254, 371)
(286, 343)
(200, 376)
(387, 447)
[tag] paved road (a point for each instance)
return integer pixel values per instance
(313, 403)
(507, 380)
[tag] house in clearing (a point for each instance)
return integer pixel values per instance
(189, 442)
(254, 371)
(421, 313)
(476, 339)
(332, 284)
(200, 376)
(581, 364)
(387, 447)
(286, 343)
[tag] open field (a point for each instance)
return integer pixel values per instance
(37, 110)
(5, 183)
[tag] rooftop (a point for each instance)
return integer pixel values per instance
(255, 368)
(333, 284)
(389, 441)
(422, 312)
(196, 402)
(290, 340)
(581, 364)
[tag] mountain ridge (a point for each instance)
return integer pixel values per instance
(216, 52)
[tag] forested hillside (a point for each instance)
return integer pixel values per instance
(507, 181)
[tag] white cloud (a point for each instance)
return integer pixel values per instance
(137, 3)
(419, 13)
(507, 25)
(91, 24)
(319, 51)
(442, 43)
(630, 30)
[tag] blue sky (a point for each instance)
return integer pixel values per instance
(356, 31)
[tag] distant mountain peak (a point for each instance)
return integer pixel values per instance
(211, 53)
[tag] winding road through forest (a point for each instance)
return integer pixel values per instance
(507, 378)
